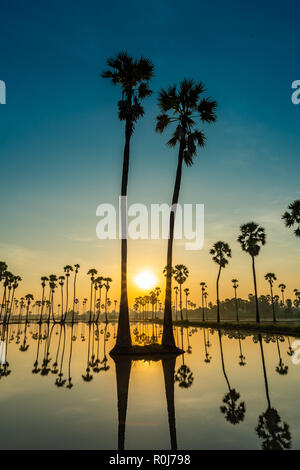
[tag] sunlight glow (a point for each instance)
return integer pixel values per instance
(145, 279)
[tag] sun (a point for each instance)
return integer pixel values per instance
(145, 279)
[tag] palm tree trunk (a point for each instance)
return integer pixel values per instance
(273, 306)
(264, 370)
(123, 368)
(67, 298)
(222, 360)
(255, 290)
(123, 335)
(236, 306)
(74, 296)
(180, 301)
(42, 305)
(218, 300)
(168, 336)
(169, 372)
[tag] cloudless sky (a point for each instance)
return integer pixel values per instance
(61, 142)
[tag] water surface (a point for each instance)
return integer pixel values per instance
(60, 389)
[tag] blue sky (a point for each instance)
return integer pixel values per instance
(61, 142)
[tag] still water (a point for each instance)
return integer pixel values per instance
(60, 389)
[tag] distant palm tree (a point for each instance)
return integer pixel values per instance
(133, 76)
(44, 279)
(29, 298)
(252, 236)
(271, 278)
(67, 270)
(181, 273)
(52, 285)
(293, 217)
(176, 290)
(187, 293)
(61, 282)
(235, 284)
(99, 282)
(76, 266)
(203, 287)
(220, 252)
(92, 272)
(181, 105)
(282, 288)
(157, 291)
(107, 281)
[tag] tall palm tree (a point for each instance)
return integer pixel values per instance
(29, 298)
(76, 267)
(235, 284)
(181, 273)
(282, 288)
(92, 272)
(52, 285)
(271, 278)
(99, 281)
(44, 280)
(133, 76)
(203, 287)
(176, 290)
(67, 270)
(157, 291)
(220, 252)
(107, 281)
(250, 239)
(293, 217)
(61, 282)
(181, 105)
(187, 293)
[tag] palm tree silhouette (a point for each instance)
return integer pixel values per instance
(92, 272)
(29, 298)
(293, 217)
(281, 369)
(99, 281)
(282, 288)
(274, 435)
(61, 282)
(203, 287)
(250, 239)
(133, 76)
(76, 267)
(44, 279)
(235, 284)
(187, 293)
(67, 270)
(271, 278)
(181, 105)
(107, 281)
(176, 290)
(233, 411)
(181, 273)
(220, 253)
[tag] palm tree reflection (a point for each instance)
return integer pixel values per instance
(274, 434)
(233, 411)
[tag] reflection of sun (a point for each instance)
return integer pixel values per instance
(145, 279)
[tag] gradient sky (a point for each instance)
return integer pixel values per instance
(61, 141)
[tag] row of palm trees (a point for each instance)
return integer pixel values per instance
(181, 107)
(49, 286)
